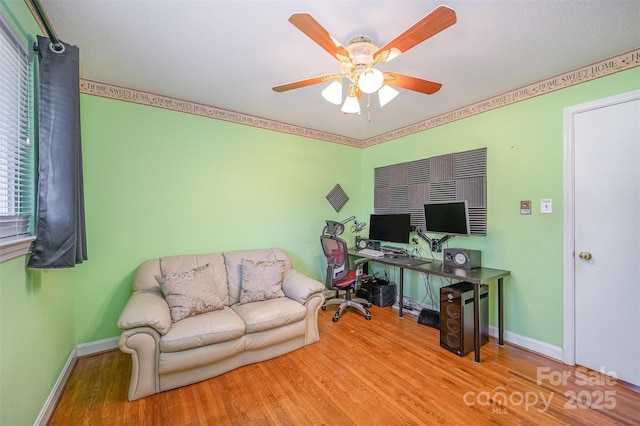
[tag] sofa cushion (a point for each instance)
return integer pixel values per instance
(174, 264)
(268, 314)
(261, 280)
(144, 277)
(201, 330)
(233, 263)
(189, 293)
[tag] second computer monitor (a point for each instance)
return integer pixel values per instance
(449, 218)
(394, 228)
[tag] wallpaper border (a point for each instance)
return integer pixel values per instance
(90, 87)
(593, 71)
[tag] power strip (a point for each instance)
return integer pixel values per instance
(418, 307)
(408, 311)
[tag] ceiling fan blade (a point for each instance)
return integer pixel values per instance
(411, 83)
(440, 18)
(305, 83)
(308, 25)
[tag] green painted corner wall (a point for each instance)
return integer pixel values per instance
(524, 144)
(161, 183)
(37, 308)
(37, 336)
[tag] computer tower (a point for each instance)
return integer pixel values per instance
(456, 317)
(379, 292)
(384, 295)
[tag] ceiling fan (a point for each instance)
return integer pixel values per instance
(357, 61)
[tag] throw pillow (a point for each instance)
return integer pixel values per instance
(260, 280)
(189, 293)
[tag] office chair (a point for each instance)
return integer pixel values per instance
(341, 277)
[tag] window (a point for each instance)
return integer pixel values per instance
(17, 163)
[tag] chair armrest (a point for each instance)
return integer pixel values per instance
(359, 268)
(299, 287)
(146, 309)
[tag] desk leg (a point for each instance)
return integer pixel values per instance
(401, 295)
(476, 322)
(500, 314)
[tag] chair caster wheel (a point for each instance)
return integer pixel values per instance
(367, 317)
(335, 319)
(324, 308)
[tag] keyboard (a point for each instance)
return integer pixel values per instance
(371, 253)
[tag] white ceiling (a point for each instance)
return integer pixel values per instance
(229, 54)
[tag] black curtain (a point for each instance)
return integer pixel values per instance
(60, 226)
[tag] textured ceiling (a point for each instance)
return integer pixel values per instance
(229, 54)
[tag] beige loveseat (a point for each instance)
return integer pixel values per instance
(167, 354)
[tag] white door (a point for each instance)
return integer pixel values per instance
(606, 236)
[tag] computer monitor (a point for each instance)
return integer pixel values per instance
(449, 218)
(394, 228)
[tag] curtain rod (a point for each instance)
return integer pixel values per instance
(56, 46)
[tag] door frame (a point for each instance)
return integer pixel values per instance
(568, 221)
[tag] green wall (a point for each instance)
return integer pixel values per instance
(162, 183)
(37, 308)
(524, 162)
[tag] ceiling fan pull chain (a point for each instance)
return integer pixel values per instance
(368, 107)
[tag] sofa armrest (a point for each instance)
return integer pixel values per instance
(146, 309)
(299, 287)
(143, 344)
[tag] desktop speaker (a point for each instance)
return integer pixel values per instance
(462, 258)
(364, 243)
(456, 317)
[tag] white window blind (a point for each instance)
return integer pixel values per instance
(17, 165)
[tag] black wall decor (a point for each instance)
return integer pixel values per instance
(337, 197)
(407, 187)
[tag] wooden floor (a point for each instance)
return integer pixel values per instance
(387, 371)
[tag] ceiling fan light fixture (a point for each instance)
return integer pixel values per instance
(386, 95)
(351, 105)
(360, 56)
(371, 80)
(333, 92)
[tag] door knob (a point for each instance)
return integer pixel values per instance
(584, 255)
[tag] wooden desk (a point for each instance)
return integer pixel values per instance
(475, 276)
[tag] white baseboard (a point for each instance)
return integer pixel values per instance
(81, 350)
(97, 346)
(530, 344)
(56, 392)
(533, 345)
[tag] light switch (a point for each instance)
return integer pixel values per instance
(546, 205)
